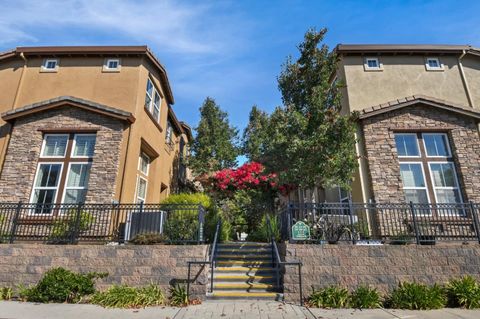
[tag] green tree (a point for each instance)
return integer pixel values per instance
(309, 141)
(215, 145)
(255, 135)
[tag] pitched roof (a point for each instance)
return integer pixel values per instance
(96, 50)
(68, 100)
(403, 48)
(418, 99)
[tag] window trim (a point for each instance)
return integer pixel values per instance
(424, 175)
(44, 142)
(44, 68)
(74, 143)
(151, 105)
(32, 194)
(449, 155)
(106, 67)
(434, 188)
(65, 187)
(136, 189)
(366, 67)
(416, 141)
(148, 163)
(440, 67)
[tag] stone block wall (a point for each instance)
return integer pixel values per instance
(20, 164)
(381, 152)
(130, 264)
(380, 266)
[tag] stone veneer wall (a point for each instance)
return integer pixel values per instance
(379, 266)
(20, 165)
(130, 264)
(386, 183)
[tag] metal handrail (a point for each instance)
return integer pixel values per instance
(278, 263)
(210, 261)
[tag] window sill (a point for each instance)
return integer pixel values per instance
(153, 120)
(48, 71)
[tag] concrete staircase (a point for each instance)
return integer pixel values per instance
(244, 270)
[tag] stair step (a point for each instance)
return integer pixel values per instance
(244, 278)
(245, 295)
(245, 270)
(244, 286)
(244, 262)
(266, 251)
(240, 256)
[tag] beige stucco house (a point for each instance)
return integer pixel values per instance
(418, 133)
(88, 124)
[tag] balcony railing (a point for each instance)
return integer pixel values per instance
(390, 222)
(99, 223)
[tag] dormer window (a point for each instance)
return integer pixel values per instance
(372, 64)
(433, 64)
(50, 65)
(111, 65)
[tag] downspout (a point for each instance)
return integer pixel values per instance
(5, 145)
(464, 79)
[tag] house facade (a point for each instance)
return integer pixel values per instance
(88, 124)
(418, 123)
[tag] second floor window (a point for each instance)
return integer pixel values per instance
(49, 65)
(153, 100)
(63, 169)
(169, 134)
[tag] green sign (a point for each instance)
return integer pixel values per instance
(300, 231)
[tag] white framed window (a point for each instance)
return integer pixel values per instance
(46, 184)
(77, 183)
(433, 64)
(169, 133)
(153, 100)
(445, 182)
(112, 65)
(54, 145)
(407, 145)
(372, 64)
(49, 65)
(414, 185)
(144, 163)
(343, 195)
(141, 191)
(83, 145)
(436, 145)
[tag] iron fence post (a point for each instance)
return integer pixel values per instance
(201, 216)
(414, 220)
(15, 222)
(188, 281)
(475, 220)
(300, 283)
(289, 222)
(76, 226)
(350, 209)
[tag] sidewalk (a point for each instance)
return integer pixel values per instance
(218, 309)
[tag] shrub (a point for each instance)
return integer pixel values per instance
(61, 285)
(365, 297)
(464, 292)
(181, 226)
(190, 198)
(178, 295)
(6, 293)
(329, 297)
(121, 296)
(62, 229)
(148, 239)
(262, 233)
(417, 296)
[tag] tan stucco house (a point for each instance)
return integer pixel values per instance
(418, 127)
(88, 124)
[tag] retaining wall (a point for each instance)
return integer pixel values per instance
(380, 266)
(130, 264)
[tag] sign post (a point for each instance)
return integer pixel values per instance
(300, 231)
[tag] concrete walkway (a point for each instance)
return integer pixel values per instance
(218, 309)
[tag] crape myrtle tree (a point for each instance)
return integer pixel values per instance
(215, 144)
(308, 141)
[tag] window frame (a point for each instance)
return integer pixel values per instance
(440, 66)
(106, 65)
(44, 143)
(366, 67)
(424, 176)
(74, 143)
(44, 68)
(417, 144)
(34, 187)
(449, 155)
(151, 105)
(455, 179)
(140, 161)
(140, 177)
(66, 187)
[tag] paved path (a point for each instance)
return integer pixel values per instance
(218, 309)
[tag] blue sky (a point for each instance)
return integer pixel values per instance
(231, 50)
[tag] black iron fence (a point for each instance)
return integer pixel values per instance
(102, 223)
(390, 222)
